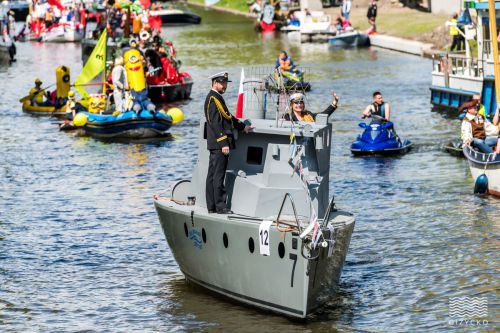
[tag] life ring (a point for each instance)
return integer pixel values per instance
(447, 68)
(144, 35)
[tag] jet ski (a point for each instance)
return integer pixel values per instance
(379, 138)
(293, 80)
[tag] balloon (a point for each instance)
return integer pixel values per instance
(176, 114)
(80, 119)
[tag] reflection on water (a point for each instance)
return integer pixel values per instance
(81, 247)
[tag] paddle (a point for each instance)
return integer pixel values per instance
(93, 84)
(30, 96)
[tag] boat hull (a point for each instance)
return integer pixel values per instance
(359, 148)
(176, 16)
(127, 126)
(49, 111)
(222, 253)
(62, 34)
(170, 92)
(184, 18)
(480, 163)
(349, 39)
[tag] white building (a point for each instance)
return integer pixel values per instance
(445, 6)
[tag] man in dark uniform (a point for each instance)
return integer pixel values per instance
(219, 127)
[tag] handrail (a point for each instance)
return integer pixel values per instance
(453, 64)
(294, 211)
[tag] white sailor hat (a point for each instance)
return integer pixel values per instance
(297, 97)
(221, 77)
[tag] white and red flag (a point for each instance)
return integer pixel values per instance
(239, 105)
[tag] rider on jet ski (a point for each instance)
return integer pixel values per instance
(378, 107)
(284, 62)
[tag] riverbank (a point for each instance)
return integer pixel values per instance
(236, 7)
(402, 22)
(392, 20)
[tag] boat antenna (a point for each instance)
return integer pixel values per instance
(494, 44)
(281, 93)
(105, 51)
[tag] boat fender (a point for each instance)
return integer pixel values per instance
(176, 114)
(80, 120)
(481, 185)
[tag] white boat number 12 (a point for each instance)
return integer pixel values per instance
(264, 237)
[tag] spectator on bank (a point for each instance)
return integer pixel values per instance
(256, 7)
(454, 33)
(338, 24)
(346, 8)
(372, 11)
(346, 24)
(372, 30)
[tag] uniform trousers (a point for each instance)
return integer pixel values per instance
(215, 191)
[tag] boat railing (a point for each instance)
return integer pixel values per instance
(457, 64)
(487, 51)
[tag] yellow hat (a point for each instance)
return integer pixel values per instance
(71, 94)
(38, 81)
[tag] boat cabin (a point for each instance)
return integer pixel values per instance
(265, 164)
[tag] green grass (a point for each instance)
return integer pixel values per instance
(240, 5)
(404, 25)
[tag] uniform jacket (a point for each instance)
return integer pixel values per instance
(220, 123)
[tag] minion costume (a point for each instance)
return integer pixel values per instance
(63, 85)
(137, 81)
(219, 127)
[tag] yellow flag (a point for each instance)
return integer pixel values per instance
(95, 64)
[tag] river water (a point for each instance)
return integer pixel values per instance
(81, 248)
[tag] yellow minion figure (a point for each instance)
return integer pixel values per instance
(97, 103)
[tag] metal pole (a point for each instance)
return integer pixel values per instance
(494, 44)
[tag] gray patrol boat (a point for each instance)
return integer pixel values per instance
(284, 246)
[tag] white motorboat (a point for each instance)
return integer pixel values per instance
(62, 33)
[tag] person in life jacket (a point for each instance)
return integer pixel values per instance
(38, 93)
(284, 62)
(454, 33)
(477, 131)
(378, 107)
(71, 106)
(298, 110)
